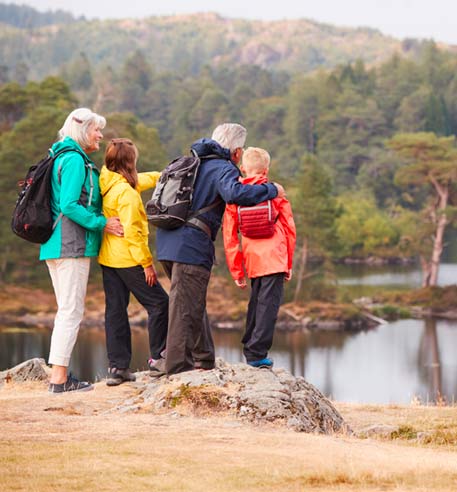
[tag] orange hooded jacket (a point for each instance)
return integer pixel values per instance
(259, 257)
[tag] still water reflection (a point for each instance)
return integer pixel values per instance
(391, 364)
(395, 276)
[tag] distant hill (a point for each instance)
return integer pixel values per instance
(187, 43)
(25, 17)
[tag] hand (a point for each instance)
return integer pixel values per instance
(241, 283)
(114, 226)
(288, 276)
(281, 191)
(150, 275)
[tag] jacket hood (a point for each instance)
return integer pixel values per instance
(68, 144)
(206, 146)
(256, 179)
(108, 179)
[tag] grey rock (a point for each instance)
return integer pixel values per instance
(378, 430)
(30, 370)
(424, 437)
(129, 409)
(327, 325)
(254, 395)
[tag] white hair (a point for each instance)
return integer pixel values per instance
(78, 123)
(230, 135)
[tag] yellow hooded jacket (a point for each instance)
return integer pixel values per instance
(121, 200)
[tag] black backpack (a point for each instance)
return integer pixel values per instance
(32, 217)
(170, 205)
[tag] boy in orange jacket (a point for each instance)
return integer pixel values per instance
(267, 246)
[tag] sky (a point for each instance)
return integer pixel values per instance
(429, 19)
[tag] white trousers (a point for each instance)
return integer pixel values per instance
(69, 278)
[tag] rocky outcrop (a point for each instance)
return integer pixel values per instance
(254, 395)
(30, 370)
(238, 391)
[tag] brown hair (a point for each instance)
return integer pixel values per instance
(120, 156)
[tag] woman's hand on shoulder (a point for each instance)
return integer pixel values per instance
(114, 226)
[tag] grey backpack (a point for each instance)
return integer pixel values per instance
(170, 205)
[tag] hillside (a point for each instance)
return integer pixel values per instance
(26, 17)
(187, 43)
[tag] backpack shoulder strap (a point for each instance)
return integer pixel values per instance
(195, 221)
(87, 166)
(203, 210)
(54, 156)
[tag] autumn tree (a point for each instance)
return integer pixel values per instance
(362, 228)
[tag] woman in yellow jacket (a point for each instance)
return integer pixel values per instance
(127, 261)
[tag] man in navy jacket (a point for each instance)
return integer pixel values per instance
(187, 253)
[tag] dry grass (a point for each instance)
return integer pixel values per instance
(417, 424)
(76, 443)
(323, 310)
(20, 300)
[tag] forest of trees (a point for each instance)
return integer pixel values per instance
(367, 154)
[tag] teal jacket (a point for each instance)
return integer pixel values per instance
(76, 203)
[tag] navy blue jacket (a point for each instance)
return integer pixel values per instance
(217, 177)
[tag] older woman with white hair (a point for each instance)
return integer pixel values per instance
(76, 206)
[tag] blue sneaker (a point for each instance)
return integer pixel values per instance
(262, 363)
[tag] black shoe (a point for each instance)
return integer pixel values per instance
(118, 376)
(71, 384)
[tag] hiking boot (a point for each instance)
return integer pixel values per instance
(118, 376)
(156, 367)
(261, 364)
(71, 384)
(154, 364)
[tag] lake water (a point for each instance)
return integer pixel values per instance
(393, 363)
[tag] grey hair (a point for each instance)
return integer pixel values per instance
(230, 135)
(78, 123)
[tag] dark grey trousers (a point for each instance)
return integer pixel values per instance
(189, 340)
(118, 283)
(266, 297)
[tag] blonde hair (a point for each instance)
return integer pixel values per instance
(255, 160)
(120, 157)
(77, 125)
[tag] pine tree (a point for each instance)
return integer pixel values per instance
(431, 167)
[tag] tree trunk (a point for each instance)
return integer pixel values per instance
(426, 270)
(301, 268)
(437, 248)
(441, 223)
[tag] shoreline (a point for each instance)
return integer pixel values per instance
(46, 321)
(29, 308)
